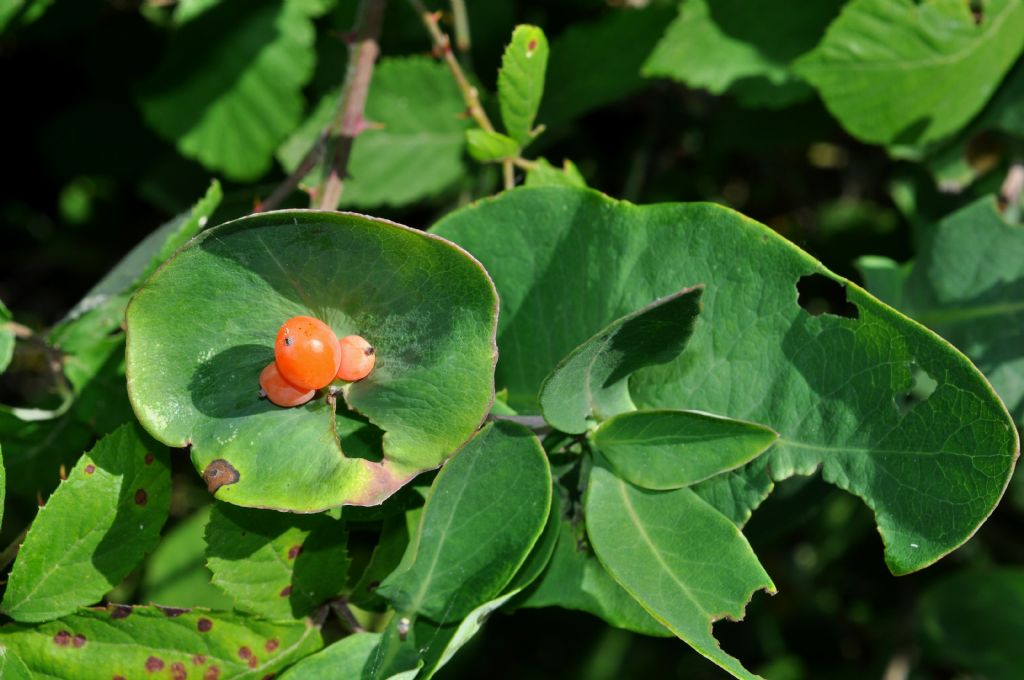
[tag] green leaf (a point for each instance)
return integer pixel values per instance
(201, 330)
(485, 511)
(349, 657)
(521, 81)
(592, 383)
(278, 565)
(543, 174)
(176, 573)
(968, 285)
(671, 449)
(722, 44)
(668, 548)
(488, 147)
(971, 620)
(395, 535)
(11, 667)
(230, 87)
(574, 579)
(620, 42)
(93, 530)
(21, 13)
(828, 385)
(6, 337)
(413, 150)
(136, 642)
(879, 63)
(3, 486)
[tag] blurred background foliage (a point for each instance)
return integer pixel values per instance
(119, 113)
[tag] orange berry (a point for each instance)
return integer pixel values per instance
(307, 352)
(357, 358)
(281, 392)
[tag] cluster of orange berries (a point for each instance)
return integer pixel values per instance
(309, 356)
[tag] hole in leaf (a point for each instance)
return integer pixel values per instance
(922, 387)
(817, 294)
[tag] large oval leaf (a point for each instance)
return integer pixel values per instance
(203, 327)
(567, 264)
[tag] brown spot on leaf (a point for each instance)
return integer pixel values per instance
(286, 591)
(244, 653)
(118, 677)
(178, 671)
(271, 645)
(78, 641)
(269, 676)
(90, 468)
(62, 638)
(532, 45)
(294, 551)
(154, 664)
(219, 473)
(171, 612)
(120, 611)
(204, 625)
(148, 459)
(212, 673)
(140, 497)
(199, 659)
(253, 662)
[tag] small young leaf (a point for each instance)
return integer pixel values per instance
(681, 559)
(521, 81)
(488, 147)
(592, 383)
(139, 642)
(543, 174)
(666, 449)
(349, 657)
(485, 511)
(879, 62)
(277, 565)
(93, 530)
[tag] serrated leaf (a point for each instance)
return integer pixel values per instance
(574, 579)
(879, 63)
(668, 548)
(346, 658)
(968, 285)
(230, 87)
(720, 45)
(489, 147)
(970, 619)
(592, 382)
(620, 42)
(543, 174)
(175, 574)
(93, 530)
(280, 566)
(667, 449)
(414, 148)
(485, 511)
(6, 337)
(828, 385)
(136, 642)
(521, 81)
(427, 308)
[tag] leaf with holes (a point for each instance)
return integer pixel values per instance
(968, 284)
(203, 327)
(485, 511)
(93, 530)
(414, 146)
(686, 563)
(592, 382)
(667, 449)
(277, 565)
(230, 87)
(521, 81)
(136, 642)
(878, 65)
(722, 46)
(828, 385)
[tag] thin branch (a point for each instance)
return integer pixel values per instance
(443, 47)
(462, 41)
(348, 120)
(340, 608)
(291, 183)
